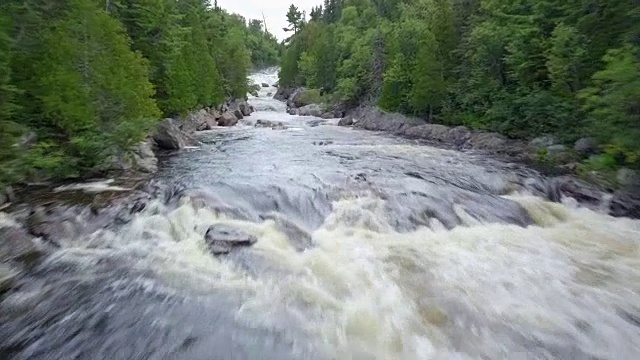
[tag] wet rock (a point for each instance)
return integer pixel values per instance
(298, 237)
(7, 275)
(346, 121)
(586, 146)
(255, 93)
(284, 93)
(327, 115)
(628, 178)
(17, 245)
(168, 136)
(310, 110)
(625, 204)
(240, 108)
(301, 97)
(222, 239)
(265, 85)
(143, 157)
(269, 94)
(428, 132)
(487, 141)
(202, 120)
(227, 119)
(542, 142)
(581, 191)
(195, 121)
(371, 118)
(459, 135)
(275, 125)
(314, 123)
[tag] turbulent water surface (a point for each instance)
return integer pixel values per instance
(369, 247)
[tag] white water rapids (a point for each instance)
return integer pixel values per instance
(392, 250)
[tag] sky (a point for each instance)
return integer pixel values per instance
(274, 11)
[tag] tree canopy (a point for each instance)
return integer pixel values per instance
(518, 67)
(89, 79)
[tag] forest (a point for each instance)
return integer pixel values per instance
(81, 80)
(522, 68)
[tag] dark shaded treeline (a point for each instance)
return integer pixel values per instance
(81, 80)
(519, 67)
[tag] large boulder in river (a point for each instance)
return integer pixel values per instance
(168, 136)
(346, 121)
(459, 135)
(310, 110)
(227, 119)
(371, 118)
(284, 93)
(221, 239)
(487, 141)
(240, 108)
(199, 120)
(625, 204)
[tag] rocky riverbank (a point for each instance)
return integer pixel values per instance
(169, 134)
(546, 153)
(622, 201)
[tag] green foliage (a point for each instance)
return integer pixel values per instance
(519, 67)
(80, 82)
(613, 103)
(311, 96)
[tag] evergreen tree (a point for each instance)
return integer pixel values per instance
(294, 18)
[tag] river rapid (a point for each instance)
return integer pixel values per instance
(369, 246)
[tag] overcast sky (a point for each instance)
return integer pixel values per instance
(275, 11)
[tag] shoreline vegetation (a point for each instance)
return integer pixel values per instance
(562, 78)
(84, 86)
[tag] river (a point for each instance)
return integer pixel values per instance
(369, 246)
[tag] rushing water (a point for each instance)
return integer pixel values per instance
(369, 247)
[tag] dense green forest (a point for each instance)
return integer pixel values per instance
(81, 80)
(518, 67)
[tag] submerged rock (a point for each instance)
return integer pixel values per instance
(7, 275)
(222, 239)
(17, 245)
(265, 85)
(275, 125)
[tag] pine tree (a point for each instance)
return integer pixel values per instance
(92, 88)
